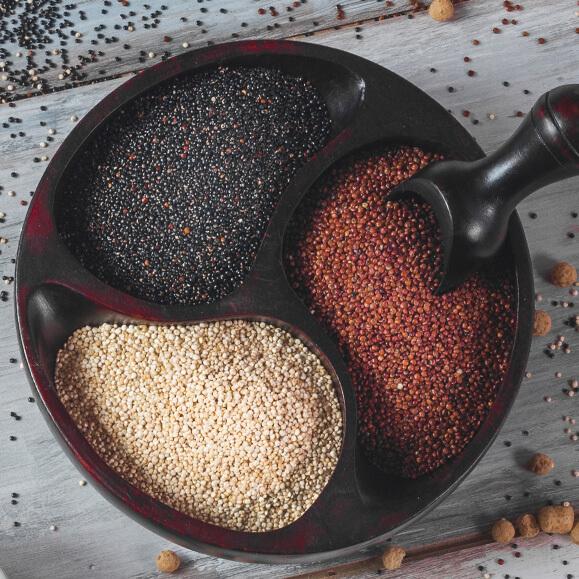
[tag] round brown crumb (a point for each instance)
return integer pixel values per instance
(542, 323)
(503, 531)
(392, 558)
(557, 519)
(541, 464)
(168, 561)
(575, 533)
(441, 10)
(563, 274)
(527, 526)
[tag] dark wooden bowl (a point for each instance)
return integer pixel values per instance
(55, 295)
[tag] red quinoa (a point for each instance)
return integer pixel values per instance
(426, 369)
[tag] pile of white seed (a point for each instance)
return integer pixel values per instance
(236, 423)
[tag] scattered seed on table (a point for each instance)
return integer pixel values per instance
(177, 189)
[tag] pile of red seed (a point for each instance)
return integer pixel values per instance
(426, 368)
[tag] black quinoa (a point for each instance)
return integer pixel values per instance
(170, 199)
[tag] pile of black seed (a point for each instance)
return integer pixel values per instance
(170, 200)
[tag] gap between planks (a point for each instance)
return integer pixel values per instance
(309, 18)
(414, 554)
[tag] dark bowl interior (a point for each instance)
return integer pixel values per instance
(55, 295)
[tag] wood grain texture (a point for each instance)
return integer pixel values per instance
(91, 532)
(222, 21)
(538, 558)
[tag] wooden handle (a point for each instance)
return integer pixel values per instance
(543, 150)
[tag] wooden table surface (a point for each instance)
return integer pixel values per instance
(93, 539)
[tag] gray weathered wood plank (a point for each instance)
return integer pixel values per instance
(91, 532)
(539, 559)
(223, 21)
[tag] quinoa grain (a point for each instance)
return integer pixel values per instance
(208, 154)
(425, 368)
(235, 423)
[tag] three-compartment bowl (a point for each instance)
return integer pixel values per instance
(360, 506)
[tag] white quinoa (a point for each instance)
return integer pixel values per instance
(236, 423)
